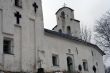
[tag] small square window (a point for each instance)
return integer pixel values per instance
(18, 3)
(85, 65)
(7, 46)
(55, 60)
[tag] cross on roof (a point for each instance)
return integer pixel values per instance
(18, 16)
(64, 4)
(35, 6)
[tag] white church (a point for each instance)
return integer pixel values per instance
(26, 47)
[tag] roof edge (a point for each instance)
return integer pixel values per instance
(54, 27)
(75, 39)
(62, 8)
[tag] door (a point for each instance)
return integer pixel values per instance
(70, 63)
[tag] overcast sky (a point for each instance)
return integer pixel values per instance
(87, 11)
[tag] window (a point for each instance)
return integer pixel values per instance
(76, 50)
(7, 46)
(60, 30)
(85, 65)
(68, 30)
(63, 14)
(18, 3)
(55, 60)
(94, 68)
(92, 53)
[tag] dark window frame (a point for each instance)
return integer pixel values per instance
(92, 53)
(68, 29)
(85, 65)
(63, 14)
(55, 60)
(18, 3)
(7, 45)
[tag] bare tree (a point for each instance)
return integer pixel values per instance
(102, 35)
(85, 34)
(107, 70)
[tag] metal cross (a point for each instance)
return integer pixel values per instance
(64, 4)
(35, 6)
(18, 16)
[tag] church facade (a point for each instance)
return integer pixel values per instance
(26, 47)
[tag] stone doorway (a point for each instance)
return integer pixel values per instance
(70, 64)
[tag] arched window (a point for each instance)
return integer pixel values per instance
(60, 31)
(63, 14)
(18, 3)
(68, 30)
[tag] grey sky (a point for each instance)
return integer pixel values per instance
(87, 11)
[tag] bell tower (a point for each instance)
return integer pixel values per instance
(21, 28)
(66, 23)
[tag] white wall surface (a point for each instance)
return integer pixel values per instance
(27, 35)
(60, 46)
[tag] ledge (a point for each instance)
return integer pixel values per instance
(17, 25)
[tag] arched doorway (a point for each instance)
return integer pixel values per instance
(68, 29)
(70, 64)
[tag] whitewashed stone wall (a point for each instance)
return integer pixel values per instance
(58, 45)
(27, 36)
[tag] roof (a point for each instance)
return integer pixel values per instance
(63, 8)
(54, 27)
(75, 20)
(57, 25)
(69, 37)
